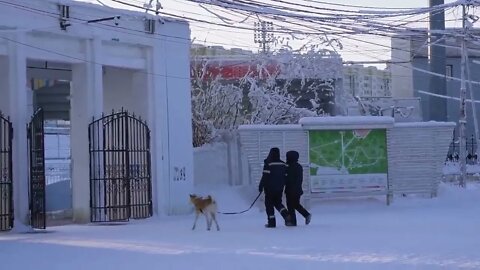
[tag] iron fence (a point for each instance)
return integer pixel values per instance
(36, 143)
(120, 170)
(471, 150)
(6, 185)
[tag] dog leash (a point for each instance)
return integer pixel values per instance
(241, 212)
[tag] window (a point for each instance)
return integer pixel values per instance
(449, 72)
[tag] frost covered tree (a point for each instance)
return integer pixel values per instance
(262, 89)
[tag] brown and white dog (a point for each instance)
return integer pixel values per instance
(206, 206)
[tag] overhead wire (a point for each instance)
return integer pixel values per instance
(349, 37)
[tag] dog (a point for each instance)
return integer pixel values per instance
(206, 206)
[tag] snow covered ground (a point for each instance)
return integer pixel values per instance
(412, 233)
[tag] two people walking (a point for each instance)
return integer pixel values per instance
(279, 177)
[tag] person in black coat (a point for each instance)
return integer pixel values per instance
(293, 189)
(273, 183)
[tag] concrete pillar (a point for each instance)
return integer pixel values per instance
(16, 69)
(4, 85)
(172, 129)
(86, 103)
(156, 91)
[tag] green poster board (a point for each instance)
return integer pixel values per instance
(346, 156)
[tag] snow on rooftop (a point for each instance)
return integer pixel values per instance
(336, 122)
(425, 124)
(270, 127)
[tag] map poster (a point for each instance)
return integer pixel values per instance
(346, 156)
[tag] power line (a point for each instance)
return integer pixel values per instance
(372, 43)
(114, 29)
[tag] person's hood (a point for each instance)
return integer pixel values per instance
(292, 157)
(274, 154)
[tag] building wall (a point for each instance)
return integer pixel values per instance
(401, 69)
(117, 89)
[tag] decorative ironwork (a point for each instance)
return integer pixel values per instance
(470, 147)
(6, 183)
(36, 135)
(120, 170)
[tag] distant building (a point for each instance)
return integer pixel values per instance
(368, 91)
(366, 81)
(410, 77)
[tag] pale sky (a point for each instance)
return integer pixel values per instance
(208, 34)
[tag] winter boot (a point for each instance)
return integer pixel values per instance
(308, 219)
(293, 219)
(286, 217)
(271, 222)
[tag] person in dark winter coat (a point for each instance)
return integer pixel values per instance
(293, 189)
(273, 183)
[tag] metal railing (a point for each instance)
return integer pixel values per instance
(471, 150)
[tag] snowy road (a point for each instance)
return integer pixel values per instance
(413, 233)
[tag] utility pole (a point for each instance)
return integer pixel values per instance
(437, 107)
(462, 121)
(263, 35)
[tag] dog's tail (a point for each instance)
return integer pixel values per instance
(214, 203)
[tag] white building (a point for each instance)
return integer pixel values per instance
(114, 60)
(369, 92)
(366, 81)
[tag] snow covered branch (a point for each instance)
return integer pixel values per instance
(275, 88)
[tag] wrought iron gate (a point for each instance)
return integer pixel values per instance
(36, 145)
(6, 185)
(120, 170)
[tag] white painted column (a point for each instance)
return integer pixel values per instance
(171, 78)
(157, 120)
(86, 103)
(4, 85)
(17, 87)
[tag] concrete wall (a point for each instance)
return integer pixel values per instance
(127, 89)
(221, 163)
(117, 89)
(211, 165)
